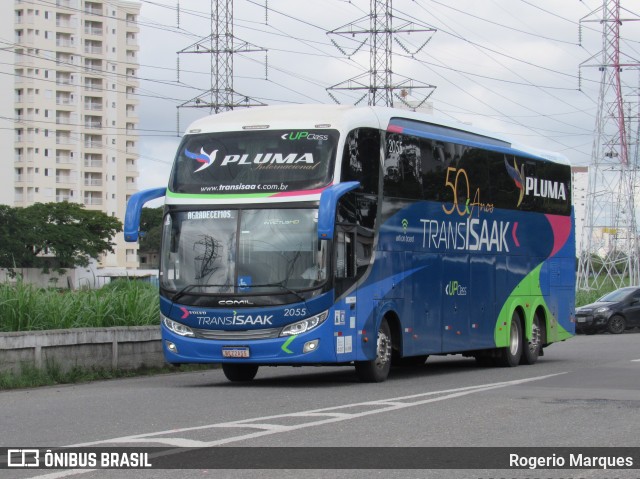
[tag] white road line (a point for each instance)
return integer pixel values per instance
(265, 427)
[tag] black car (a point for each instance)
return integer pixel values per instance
(614, 312)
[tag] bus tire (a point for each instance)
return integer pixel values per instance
(533, 346)
(510, 356)
(377, 369)
(239, 372)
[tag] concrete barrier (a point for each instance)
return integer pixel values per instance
(118, 348)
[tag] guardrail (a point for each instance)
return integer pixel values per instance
(118, 348)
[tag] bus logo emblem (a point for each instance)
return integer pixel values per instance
(517, 176)
(205, 160)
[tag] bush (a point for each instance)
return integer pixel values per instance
(123, 303)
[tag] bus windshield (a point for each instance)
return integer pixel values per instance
(252, 251)
(263, 161)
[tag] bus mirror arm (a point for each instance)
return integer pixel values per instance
(134, 210)
(328, 204)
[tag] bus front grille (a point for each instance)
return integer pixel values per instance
(240, 335)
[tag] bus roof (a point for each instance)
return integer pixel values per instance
(344, 118)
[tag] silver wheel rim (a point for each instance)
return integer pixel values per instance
(384, 350)
(514, 338)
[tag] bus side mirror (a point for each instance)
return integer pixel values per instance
(134, 210)
(328, 204)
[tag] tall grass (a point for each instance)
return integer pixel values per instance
(122, 303)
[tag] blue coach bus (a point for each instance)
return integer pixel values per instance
(364, 236)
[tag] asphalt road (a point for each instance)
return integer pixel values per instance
(582, 393)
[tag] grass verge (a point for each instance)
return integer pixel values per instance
(52, 375)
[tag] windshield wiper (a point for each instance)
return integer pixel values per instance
(280, 285)
(189, 287)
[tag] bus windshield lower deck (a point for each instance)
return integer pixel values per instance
(244, 252)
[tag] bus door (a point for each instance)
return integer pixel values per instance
(353, 246)
(455, 302)
(345, 310)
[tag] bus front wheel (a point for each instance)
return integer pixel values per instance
(377, 370)
(510, 356)
(239, 372)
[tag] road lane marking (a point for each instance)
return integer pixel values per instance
(263, 426)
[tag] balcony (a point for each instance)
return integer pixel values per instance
(64, 179)
(93, 86)
(61, 198)
(93, 31)
(64, 100)
(92, 201)
(93, 10)
(93, 106)
(95, 50)
(93, 143)
(64, 160)
(93, 125)
(93, 163)
(93, 182)
(64, 43)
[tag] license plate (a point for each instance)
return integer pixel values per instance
(242, 352)
(582, 320)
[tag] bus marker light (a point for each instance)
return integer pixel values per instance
(310, 346)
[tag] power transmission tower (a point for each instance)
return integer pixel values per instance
(609, 242)
(222, 46)
(380, 83)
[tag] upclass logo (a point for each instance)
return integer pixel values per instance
(517, 176)
(303, 135)
(454, 288)
(405, 225)
(204, 158)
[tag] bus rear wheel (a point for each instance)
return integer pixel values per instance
(533, 346)
(377, 370)
(239, 372)
(510, 356)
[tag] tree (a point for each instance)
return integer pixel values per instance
(150, 230)
(12, 226)
(54, 235)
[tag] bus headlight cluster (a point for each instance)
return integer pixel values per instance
(178, 328)
(304, 325)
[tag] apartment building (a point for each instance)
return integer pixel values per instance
(73, 108)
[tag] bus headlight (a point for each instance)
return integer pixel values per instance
(178, 328)
(304, 325)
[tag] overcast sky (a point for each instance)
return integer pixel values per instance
(509, 66)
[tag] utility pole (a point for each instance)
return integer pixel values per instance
(380, 85)
(609, 241)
